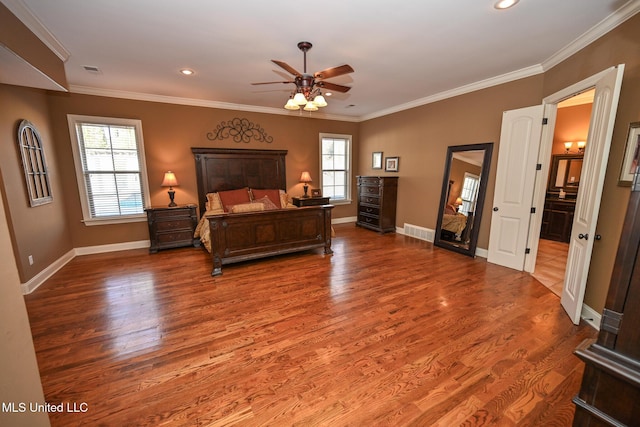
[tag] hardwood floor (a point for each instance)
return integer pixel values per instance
(551, 264)
(388, 331)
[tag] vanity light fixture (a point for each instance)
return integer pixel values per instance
(567, 146)
(505, 4)
(581, 145)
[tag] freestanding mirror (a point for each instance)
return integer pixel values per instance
(463, 191)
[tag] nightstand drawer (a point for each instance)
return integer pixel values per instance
(171, 213)
(175, 224)
(185, 237)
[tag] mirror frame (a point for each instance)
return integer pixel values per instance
(555, 161)
(482, 190)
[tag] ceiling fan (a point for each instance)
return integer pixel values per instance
(308, 92)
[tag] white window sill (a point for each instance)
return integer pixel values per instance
(114, 220)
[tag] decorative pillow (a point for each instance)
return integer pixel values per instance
(234, 197)
(201, 224)
(247, 207)
(284, 200)
(213, 202)
(273, 195)
(268, 204)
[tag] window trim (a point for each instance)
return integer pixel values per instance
(349, 139)
(74, 120)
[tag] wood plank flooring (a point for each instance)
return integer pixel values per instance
(551, 264)
(388, 331)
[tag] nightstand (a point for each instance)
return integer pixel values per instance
(172, 227)
(310, 201)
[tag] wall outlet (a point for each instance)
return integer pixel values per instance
(30, 259)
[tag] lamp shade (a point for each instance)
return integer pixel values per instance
(169, 179)
(459, 201)
(581, 144)
(305, 177)
(320, 101)
(568, 145)
(299, 98)
(310, 106)
(291, 105)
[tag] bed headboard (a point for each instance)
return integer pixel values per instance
(219, 169)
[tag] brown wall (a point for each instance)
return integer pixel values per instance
(420, 137)
(169, 133)
(572, 124)
(620, 46)
(41, 231)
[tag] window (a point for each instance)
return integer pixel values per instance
(469, 193)
(335, 164)
(110, 168)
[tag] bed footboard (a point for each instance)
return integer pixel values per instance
(246, 236)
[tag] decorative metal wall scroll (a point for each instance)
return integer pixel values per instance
(34, 164)
(241, 130)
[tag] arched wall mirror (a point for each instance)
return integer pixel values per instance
(463, 192)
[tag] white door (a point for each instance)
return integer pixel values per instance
(515, 179)
(603, 114)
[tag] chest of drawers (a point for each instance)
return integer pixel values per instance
(377, 202)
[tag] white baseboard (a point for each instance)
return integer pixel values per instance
(591, 317)
(40, 278)
(88, 250)
(50, 270)
(344, 220)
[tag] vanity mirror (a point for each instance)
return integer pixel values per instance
(463, 192)
(565, 173)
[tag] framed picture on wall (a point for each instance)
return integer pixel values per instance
(376, 160)
(316, 192)
(631, 153)
(391, 164)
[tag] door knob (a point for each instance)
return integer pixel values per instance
(583, 236)
(495, 209)
(598, 237)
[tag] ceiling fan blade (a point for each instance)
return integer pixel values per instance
(333, 72)
(286, 67)
(269, 83)
(333, 86)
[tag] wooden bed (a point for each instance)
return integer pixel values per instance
(237, 237)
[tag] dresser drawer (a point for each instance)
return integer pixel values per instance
(368, 190)
(370, 200)
(175, 213)
(368, 220)
(369, 210)
(369, 180)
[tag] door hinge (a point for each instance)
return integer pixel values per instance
(533, 210)
(611, 321)
(527, 251)
(545, 121)
(539, 167)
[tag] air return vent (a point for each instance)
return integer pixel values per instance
(419, 232)
(91, 69)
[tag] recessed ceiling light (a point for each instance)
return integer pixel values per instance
(187, 72)
(505, 4)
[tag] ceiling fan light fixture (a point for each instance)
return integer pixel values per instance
(299, 98)
(505, 4)
(319, 100)
(310, 106)
(291, 105)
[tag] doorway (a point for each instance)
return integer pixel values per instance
(569, 143)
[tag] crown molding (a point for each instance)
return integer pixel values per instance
(483, 84)
(24, 14)
(621, 15)
(111, 93)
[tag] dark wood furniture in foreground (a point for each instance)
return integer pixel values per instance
(377, 202)
(610, 392)
(310, 201)
(246, 236)
(172, 227)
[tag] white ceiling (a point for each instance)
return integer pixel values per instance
(405, 53)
